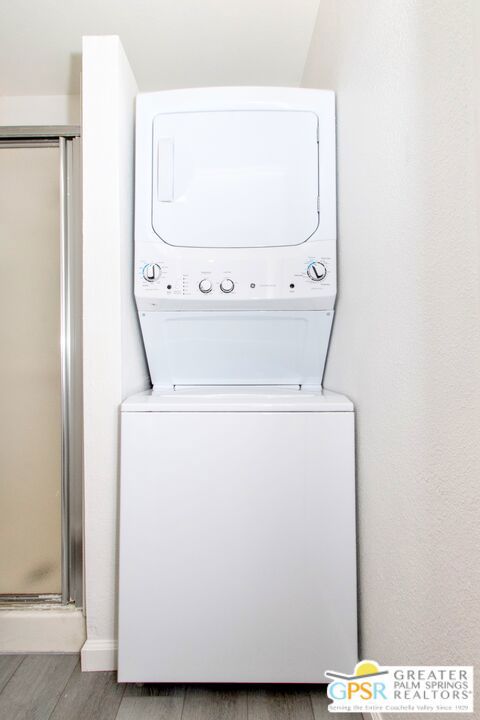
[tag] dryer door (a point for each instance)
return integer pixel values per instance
(235, 178)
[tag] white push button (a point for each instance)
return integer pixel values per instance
(227, 285)
(205, 285)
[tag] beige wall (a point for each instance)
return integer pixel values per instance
(406, 337)
(39, 110)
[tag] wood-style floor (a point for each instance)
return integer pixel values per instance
(52, 687)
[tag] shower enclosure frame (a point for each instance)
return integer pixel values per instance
(68, 140)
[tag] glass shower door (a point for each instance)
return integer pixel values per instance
(30, 372)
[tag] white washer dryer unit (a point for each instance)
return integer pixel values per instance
(235, 234)
(237, 530)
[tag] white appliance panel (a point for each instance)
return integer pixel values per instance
(244, 178)
(234, 566)
(261, 279)
(236, 398)
(236, 348)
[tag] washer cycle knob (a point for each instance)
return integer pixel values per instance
(227, 285)
(316, 271)
(151, 272)
(205, 286)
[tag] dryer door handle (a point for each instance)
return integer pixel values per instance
(165, 170)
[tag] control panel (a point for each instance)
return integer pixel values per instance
(243, 280)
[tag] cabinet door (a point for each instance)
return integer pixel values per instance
(235, 179)
(237, 555)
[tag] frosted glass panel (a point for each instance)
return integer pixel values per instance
(30, 382)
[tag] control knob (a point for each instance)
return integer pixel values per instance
(227, 285)
(316, 271)
(151, 272)
(205, 285)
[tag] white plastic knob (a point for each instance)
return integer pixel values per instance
(227, 285)
(205, 285)
(316, 271)
(152, 272)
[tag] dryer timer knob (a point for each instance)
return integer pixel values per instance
(316, 271)
(151, 272)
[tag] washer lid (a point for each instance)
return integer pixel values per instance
(237, 399)
(235, 178)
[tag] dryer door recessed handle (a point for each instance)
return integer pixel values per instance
(165, 169)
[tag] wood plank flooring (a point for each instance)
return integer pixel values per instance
(52, 687)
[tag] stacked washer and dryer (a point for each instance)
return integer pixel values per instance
(237, 526)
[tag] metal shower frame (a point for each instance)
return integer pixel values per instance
(67, 139)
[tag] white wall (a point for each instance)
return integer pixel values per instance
(179, 43)
(406, 337)
(39, 110)
(114, 365)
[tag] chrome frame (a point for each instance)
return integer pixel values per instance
(65, 366)
(73, 366)
(38, 133)
(67, 139)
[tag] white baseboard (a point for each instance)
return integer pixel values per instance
(41, 628)
(99, 655)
